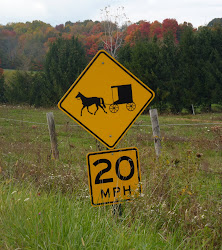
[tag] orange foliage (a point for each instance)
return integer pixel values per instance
(156, 29)
(88, 32)
(51, 39)
(92, 44)
(130, 32)
(97, 28)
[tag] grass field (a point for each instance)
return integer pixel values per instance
(8, 73)
(45, 204)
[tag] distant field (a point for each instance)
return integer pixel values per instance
(8, 73)
(45, 204)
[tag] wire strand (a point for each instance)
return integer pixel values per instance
(134, 125)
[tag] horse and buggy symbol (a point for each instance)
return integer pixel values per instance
(124, 97)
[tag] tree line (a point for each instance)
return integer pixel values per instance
(181, 74)
(63, 64)
(181, 64)
(24, 45)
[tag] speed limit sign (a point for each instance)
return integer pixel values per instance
(114, 176)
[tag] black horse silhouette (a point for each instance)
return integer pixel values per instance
(88, 101)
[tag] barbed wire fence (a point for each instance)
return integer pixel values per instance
(134, 125)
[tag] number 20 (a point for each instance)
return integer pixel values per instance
(98, 179)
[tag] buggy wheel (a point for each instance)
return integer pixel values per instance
(131, 106)
(113, 108)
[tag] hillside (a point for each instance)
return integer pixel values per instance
(24, 45)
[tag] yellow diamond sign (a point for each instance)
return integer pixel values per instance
(106, 99)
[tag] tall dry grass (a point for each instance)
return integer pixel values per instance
(180, 206)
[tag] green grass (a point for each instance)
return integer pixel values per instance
(55, 221)
(45, 204)
(39, 220)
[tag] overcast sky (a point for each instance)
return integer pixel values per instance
(197, 12)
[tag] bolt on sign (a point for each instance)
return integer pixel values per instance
(106, 99)
(114, 176)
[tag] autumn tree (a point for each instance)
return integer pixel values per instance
(130, 34)
(156, 29)
(137, 32)
(92, 44)
(170, 26)
(8, 45)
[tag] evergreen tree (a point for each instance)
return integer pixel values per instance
(181, 74)
(209, 67)
(171, 84)
(215, 22)
(40, 91)
(188, 76)
(19, 87)
(64, 62)
(217, 39)
(216, 71)
(2, 89)
(145, 62)
(28, 88)
(125, 55)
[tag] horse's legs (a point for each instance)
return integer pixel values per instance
(97, 106)
(82, 109)
(88, 110)
(103, 108)
(96, 109)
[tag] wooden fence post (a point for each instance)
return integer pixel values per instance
(193, 109)
(156, 131)
(51, 126)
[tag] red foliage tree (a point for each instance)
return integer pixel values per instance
(92, 44)
(144, 29)
(156, 29)
(130, 33)
(136, 32)
(170, 25)
(97, 28)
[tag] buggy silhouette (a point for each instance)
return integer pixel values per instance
(125, 97)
